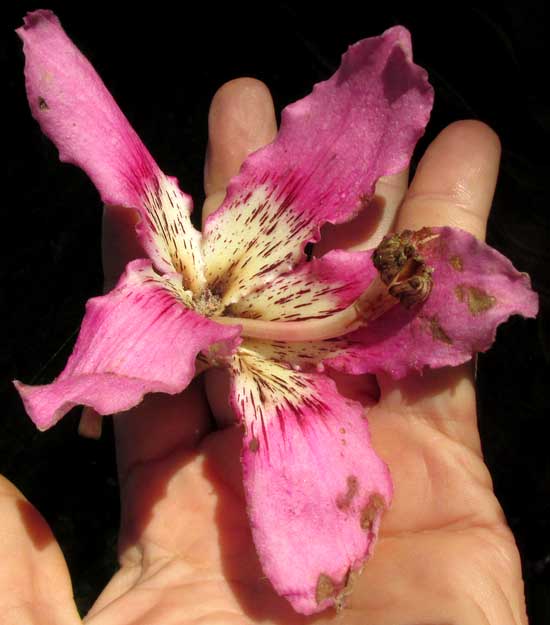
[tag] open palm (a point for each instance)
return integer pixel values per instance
(445, 554)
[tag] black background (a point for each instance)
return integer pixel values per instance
(163, 68)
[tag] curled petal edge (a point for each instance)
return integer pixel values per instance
(139, 338)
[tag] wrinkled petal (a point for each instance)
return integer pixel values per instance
(315, 488)
(475, 288)
(314, 290)
(332, 147)
(138, 339)
(75, 110)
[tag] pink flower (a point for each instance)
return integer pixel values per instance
(242, 295)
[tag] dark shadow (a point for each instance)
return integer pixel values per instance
(37, 528)
(429, 383)
(355, 231)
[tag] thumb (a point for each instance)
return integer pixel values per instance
(35, 586)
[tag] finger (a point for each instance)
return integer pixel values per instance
(453, 185)
(241, 120)
(366, 230)
(444, 399)
(388, 196)
(34, 581)
(455, 181)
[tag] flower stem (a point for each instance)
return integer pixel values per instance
(373, 302)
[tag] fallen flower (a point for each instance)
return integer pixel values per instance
(244, 296)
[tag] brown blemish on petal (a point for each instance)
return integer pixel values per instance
(42, 104)
(370, 511)
(324, 589)
(456, 263)
(438, 333)
(254, 445)
(479, 301)
(340, 600)
(343, 501)
(342, 430)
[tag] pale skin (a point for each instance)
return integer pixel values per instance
(445, 555)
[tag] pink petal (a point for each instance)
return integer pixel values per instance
(138, 339)
(315, 488)
(475, 289)
(75, 110)
(332, 147)
(314, 290)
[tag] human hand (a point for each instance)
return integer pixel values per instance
(444, 553)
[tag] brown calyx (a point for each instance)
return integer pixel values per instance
(402, 268)
(325, 588)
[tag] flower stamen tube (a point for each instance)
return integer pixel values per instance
(373, 302)
(403, 278)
